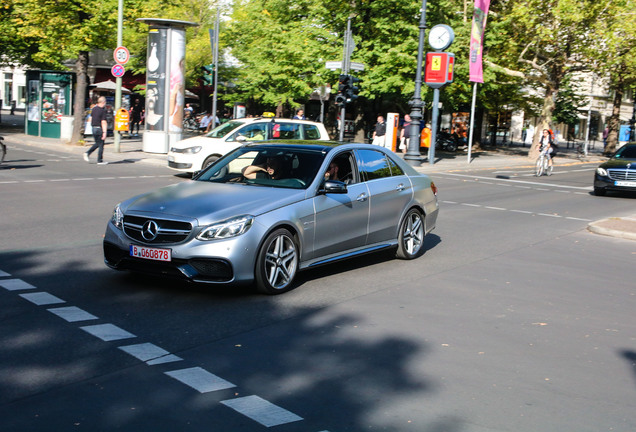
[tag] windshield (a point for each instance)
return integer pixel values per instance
(224, 129)
(626, 152)
(272, 166)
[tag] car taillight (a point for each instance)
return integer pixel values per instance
(434, 188)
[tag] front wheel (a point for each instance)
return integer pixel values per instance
(539, 167)
(599, 191)
(277, 263)
(209, 161)
(411, 236)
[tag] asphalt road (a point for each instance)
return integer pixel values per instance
(516, 319)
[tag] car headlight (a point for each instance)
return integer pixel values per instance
(226, 229)
(118, 217)
(601, 171)
(192, 150)
(189, 150)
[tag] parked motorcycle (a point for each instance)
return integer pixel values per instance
(446, 142)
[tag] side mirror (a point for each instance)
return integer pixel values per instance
(333, 187)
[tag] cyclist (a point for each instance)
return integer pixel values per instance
(546, 145)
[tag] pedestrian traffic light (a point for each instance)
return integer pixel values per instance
(208, 74)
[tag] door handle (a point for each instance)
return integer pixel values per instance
(362, 197)
(400, 187)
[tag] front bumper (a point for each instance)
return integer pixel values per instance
(606, 183)
(225, 261)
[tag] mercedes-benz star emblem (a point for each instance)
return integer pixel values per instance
(149, 230)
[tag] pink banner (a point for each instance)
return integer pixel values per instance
(480, 15)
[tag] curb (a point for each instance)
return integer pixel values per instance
(606, 227)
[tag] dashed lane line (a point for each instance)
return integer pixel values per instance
(552, 215)
(509, 182)
(197, 378)
(145, 177)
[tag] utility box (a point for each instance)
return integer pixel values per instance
(49, 99)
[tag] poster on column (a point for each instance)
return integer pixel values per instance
(177, 80)
(156, 79)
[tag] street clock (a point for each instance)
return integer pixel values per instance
(441, 37)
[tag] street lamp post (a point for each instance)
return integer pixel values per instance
(412, 156)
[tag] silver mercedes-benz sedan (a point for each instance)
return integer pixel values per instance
(265, 211)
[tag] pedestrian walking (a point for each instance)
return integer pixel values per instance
(379, 132)
(135, 117)
(100, 129)
(300, 115)
(405, 135)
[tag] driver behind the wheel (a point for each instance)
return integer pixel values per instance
(272, 169)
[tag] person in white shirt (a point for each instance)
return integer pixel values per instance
(204, 124)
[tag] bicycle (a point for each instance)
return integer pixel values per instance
(543, 165)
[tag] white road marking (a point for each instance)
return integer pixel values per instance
(261, 411)
(200, 379)
(42, 298)
(15, 284)
(72, 314)
(150, 353)
(4, 274)
(108, 332)
(504, 181)
(516, 211)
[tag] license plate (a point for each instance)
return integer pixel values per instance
(154, 254)
(625, 183)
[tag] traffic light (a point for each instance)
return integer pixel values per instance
(347, 90)
(343, 88)
(352, 91)
(208, 74)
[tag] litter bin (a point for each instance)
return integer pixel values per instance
(66, 128)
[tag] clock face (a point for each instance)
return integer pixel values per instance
(440, 37)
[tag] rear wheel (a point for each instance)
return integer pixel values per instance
(411, 235)
(548, 167)
(277, 263)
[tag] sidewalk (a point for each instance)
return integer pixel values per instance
(504, 157)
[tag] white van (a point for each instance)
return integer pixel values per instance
(196, 153)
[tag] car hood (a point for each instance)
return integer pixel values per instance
(211, 202)
(619, 163)
(196, 141)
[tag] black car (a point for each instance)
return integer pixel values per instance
(618, 173)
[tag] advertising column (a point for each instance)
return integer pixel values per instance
(165, 83)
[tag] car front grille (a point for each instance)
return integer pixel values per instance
(622, 174)
(156, 231)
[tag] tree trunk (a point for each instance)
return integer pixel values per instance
(614, 122)
(81, 72)
(545, 120)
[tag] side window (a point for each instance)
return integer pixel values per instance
(373, 164)
(289, 131)
(395, 168)
(311, 132)
(252, 132)
(341, 168)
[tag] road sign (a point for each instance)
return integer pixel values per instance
(118, 71)
(121, 55)
(335, 65)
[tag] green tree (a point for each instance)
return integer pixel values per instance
(613, 53)
(542, 42)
